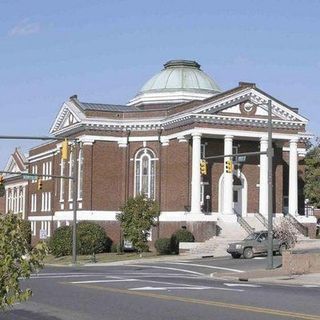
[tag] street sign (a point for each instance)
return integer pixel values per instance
(43, 234)
(241, 158)
(27, 176)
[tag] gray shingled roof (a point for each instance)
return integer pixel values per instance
(105, 107)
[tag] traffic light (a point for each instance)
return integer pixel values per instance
(229, 166)
(1, 180)
(203, 167)
(39, 184)
(64, 152)
(2, 188)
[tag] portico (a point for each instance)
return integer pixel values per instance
(229, 197)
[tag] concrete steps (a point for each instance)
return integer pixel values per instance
(255, 223)
(216, 246)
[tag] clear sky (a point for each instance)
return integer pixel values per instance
(104, 51)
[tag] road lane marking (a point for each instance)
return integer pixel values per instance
(104, 281)
(66, 276)
(205, 266)
(212, 303)
(242, 285)
(311, 286)
(167, 268)
(182, 288)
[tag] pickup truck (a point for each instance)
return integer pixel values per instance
(255, 243)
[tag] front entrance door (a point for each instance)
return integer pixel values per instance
(240, 190)
(237, 199)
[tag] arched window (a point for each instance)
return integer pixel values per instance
(145, 171)
(71, 168)
(80, 174)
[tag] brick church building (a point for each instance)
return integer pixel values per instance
(154, 144)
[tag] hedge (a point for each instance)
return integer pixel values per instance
(163, 245)
(181, 235)
(61, 242)
(91, 239)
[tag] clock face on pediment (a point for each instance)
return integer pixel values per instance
(247, 109)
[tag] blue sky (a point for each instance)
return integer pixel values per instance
(104, 51)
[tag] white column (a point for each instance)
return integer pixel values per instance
(228, 179)
(196, 178)
(263, 183)
(293, 177)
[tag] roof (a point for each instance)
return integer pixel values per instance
(85, 106)
(181, 75)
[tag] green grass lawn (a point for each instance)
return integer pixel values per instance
(100, 257)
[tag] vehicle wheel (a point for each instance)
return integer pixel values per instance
(282, 248)
(248, 253)
(235, 255)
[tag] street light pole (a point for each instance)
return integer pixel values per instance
(270, 191)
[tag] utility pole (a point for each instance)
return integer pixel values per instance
(270, 191)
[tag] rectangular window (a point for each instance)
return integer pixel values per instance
(33, 228)
(33, 203)
(47, 170)
(46, 201)
(34, 170)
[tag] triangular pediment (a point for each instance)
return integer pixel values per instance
(250, 103)
(68, 117)
(16, 163)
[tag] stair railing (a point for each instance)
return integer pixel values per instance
(243, 223)
(298, 225)
(262, 219)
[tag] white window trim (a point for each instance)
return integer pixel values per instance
(150, 159)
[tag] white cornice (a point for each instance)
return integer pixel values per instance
(288, 118)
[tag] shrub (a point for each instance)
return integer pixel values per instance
(163, 245)
(92, 238)
(26, 231)
(17, 260)
(61, 242)
(286, 232)
(136, 220)
(181, 235)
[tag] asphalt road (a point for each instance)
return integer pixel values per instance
(175, 290)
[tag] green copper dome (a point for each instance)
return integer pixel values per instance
(184, 75)
(180, 81)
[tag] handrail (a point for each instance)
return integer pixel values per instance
(262, 219)
(243, 223)
(298, 225)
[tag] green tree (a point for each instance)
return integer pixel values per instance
(312, 175)
(17, 260)
(136, 219)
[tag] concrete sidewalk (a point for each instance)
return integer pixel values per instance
(275, 276)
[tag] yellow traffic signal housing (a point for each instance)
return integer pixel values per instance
(64, 152)
(1, 180)
(229, 166)
(39, 184)
(203, 167)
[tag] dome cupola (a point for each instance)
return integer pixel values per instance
(179, 81)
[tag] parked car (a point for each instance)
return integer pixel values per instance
(255, 243)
